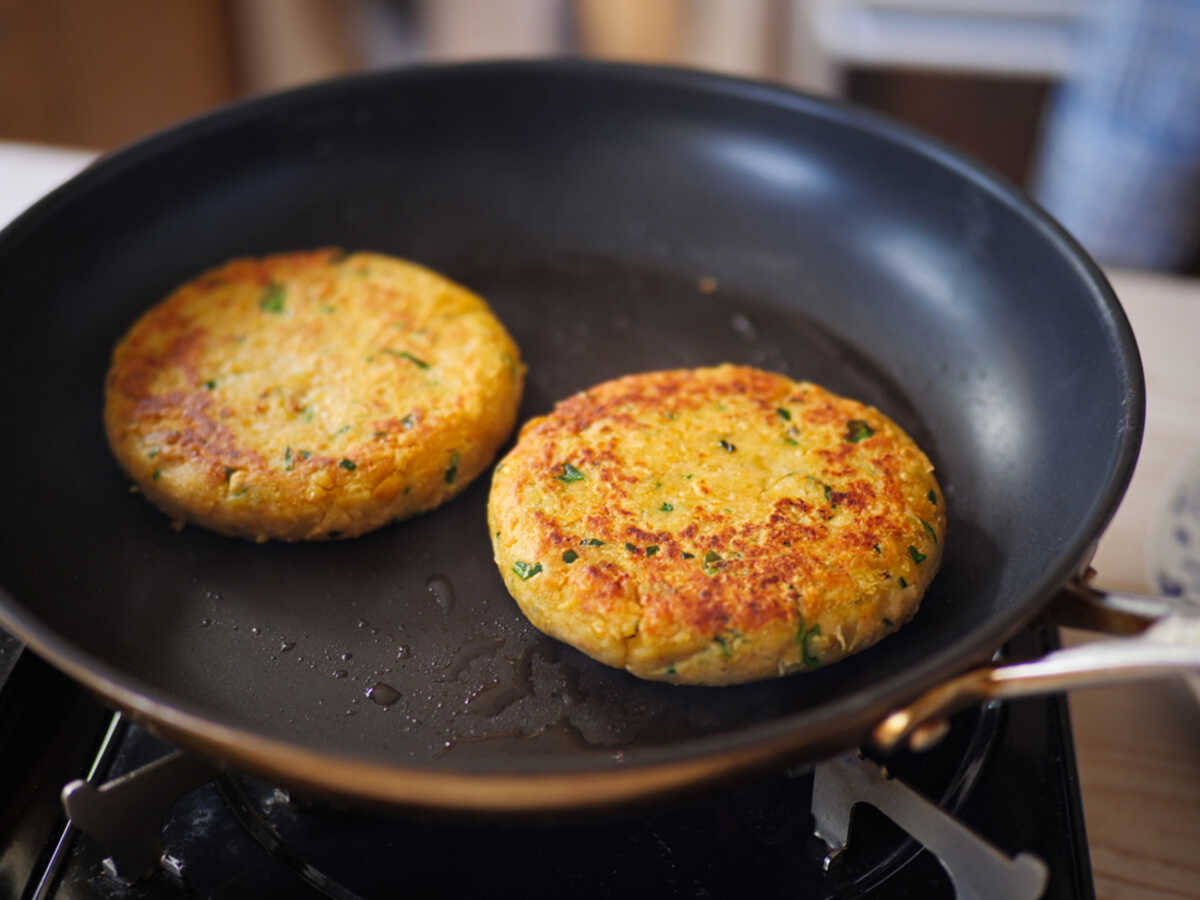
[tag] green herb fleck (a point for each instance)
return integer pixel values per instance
(525, 570)
(720, 642)
(929, 528)
(452, 469)
(156, 474)
(304, 454)
(917, 555)
(631, 548)
(407, 422)
(712, 562)
(652, 549)
(888, 622)
(307, 412)
(404, 354)
(666, 507)
(348, 464)
(784, 414)
(570, 556)
(726, 446)
(211, 384)
(570, 473)
(153, 453)
(902, 582)
(592, 542)
(341, 431)
(810, 659)
(687, 555)
(932, 497)
(791, 442)
(857, 430)
(272, 298)
(287, 459)
(688, 476)
(671, 670)
(829, 497)
(878, 552)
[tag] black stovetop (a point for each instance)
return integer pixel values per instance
(1008, 772)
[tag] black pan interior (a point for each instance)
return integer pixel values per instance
(586, 203)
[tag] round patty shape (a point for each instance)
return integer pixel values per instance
(715, 526)
(312, 395)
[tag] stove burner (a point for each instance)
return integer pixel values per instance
(1006, 772)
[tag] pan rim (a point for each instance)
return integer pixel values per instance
(823, 729)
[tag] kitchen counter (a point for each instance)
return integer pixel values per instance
(1138, 746)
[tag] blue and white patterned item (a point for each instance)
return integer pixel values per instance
(1119, 163)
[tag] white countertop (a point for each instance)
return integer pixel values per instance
(1138, 747)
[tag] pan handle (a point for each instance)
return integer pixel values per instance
(1169, 644)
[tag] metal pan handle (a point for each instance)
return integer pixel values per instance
(1169, 644)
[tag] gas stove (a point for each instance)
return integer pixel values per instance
(1005, 772)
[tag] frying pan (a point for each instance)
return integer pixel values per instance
(618, 219)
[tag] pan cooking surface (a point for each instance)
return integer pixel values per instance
(586, 204)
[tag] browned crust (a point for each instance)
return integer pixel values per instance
(827, 547)
(229, 413)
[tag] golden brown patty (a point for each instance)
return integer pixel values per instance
(715, 526)
(311, 395)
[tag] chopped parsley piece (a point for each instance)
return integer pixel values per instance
(671, 670)
(525, 570)
(902, 582)
(857, 430)
(404, 354)
(570, 473)
(720, 642)
(452, 469)
(888, 622)
(211, 384)
(153, 453)
(272, 298)
(348, 464)
(570, 556)
(592, 542)
(304, 454)
(726, 446)
(341, 431)
(156, 474)
(652, 549)
(712, 562)
(791, 442)
(877, 550)
(307, 412)
(932, 497)
(688, 476)
(810, 659)
(929, 528)
(829, 496)
(407, 422)
(631, 548)
(687, 555)
(784, 414)
(666, 507)
(287, 459)
(917, 555)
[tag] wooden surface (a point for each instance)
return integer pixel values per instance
(1138, 746)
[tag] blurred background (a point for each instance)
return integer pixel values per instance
(1093, 105)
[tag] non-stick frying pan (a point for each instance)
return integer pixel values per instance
(595, 207)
